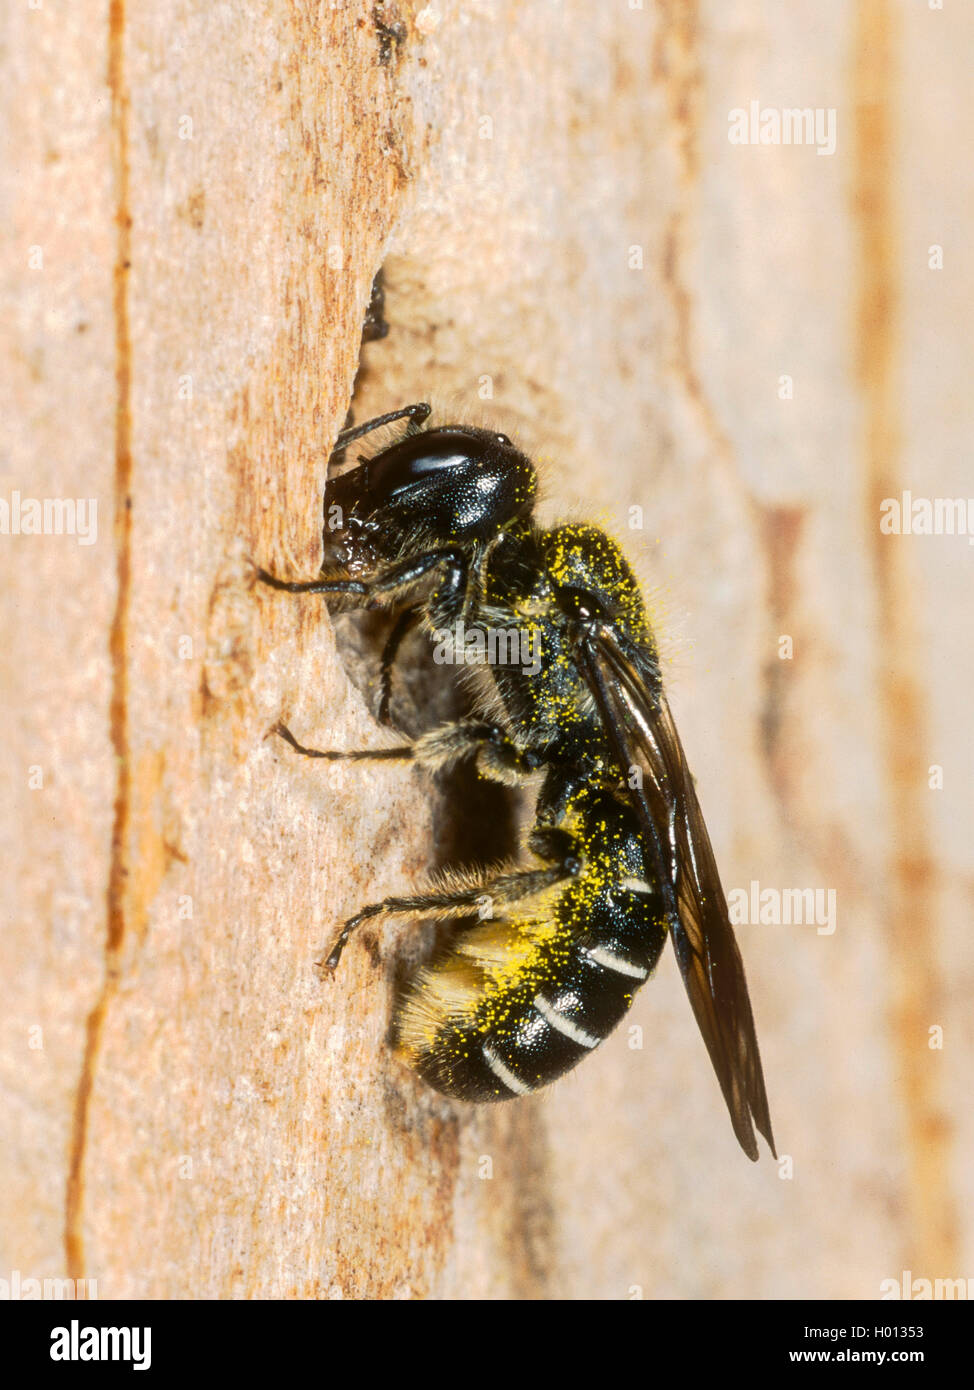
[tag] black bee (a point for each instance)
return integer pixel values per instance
(439, 526)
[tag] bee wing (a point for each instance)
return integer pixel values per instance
(640, 727)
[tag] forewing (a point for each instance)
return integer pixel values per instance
(641, 731)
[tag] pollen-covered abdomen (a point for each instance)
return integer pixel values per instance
(516, 1004)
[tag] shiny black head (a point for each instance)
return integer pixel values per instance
(455, 483)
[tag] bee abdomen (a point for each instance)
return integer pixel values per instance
(499, 1045)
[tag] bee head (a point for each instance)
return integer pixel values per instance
(456, 483)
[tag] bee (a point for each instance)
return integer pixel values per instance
(439, 527)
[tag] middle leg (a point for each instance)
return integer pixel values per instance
(497, 754)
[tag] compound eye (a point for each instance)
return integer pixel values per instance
(501, 439)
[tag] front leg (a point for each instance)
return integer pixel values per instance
(388, 584)
(404, 624)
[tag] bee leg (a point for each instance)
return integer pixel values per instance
(386, 584)
(498, 756)
(312, 586)
(404, 623)
(501, 889)
(403, 752)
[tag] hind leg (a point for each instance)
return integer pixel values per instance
(466, 892)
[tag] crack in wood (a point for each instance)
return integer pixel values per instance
(118, 641)
(932, 1223)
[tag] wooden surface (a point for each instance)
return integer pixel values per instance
(188, 1112)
